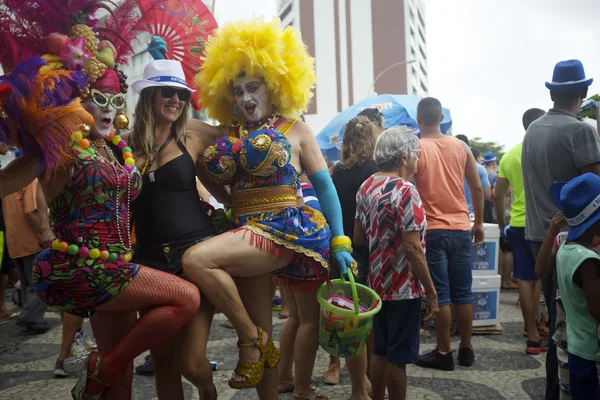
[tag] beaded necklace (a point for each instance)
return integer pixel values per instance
(79, 137)
(268, 123)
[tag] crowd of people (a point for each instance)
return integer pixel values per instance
(111, 226)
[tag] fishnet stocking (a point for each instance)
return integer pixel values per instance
(167, 303)
(109, 329)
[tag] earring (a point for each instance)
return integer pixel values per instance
(235, 116)
(121, 121)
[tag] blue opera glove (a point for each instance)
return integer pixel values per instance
(330, 204)
(158, 48)
(343, 261)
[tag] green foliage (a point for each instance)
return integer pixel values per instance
(591, 113)
(484, 147)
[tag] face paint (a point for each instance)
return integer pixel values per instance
(103, 116)
(252, 98)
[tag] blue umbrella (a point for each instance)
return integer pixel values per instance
(396, 109)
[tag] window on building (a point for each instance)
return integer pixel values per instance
(424, 86)
(422, 52)
(422, 34)
(286, 11)
(421, 19)
(423, 70)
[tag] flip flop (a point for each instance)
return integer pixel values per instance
(513, 286)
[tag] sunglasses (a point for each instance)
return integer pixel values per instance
(100, 99)
(167, 92)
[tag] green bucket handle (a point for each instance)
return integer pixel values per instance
(354, 291)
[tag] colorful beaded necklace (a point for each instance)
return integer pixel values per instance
(79, 137)
(268, 123)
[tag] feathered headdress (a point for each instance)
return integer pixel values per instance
(257, 48)
(39, 112)
(40, 105)
(68, 35)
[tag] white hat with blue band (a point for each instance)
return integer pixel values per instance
(162, 73)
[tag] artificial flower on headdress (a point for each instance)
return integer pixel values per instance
(75, 54)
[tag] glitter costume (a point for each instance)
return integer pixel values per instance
(264, 189)
(257, 166)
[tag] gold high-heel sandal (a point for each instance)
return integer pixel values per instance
(78, 391)
(252, 371)
(272, 355)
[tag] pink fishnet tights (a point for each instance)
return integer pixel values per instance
(166, 303)
(109, 329)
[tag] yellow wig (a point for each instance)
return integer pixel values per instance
(261, 49)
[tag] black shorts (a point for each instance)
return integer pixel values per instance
(506, 247)
(166, 257)
(397, 331)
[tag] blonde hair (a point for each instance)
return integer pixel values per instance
(260, 49)
(142, 138)
(358, 145)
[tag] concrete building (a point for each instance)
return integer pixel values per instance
(360, 48)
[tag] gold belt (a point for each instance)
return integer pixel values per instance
(260, 200)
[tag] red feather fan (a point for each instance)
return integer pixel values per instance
(185, 25)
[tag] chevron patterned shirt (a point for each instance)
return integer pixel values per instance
(386, 207)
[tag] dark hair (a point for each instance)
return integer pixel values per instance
(429, 111)
(476, 153)
(568, 99)
(463, 138)
(373, 114)
(531, 115)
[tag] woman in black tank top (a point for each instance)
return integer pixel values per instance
(170, 217)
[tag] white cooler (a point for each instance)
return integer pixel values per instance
(485, 255)
(486, 300)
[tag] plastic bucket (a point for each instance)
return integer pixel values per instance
(342, 332)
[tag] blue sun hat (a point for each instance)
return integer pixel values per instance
(568, 75)
(489, 157)
(579, 200)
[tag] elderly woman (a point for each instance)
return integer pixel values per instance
(390, 219)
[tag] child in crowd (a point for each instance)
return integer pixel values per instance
(578, 272)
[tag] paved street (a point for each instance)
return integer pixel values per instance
(502, 369)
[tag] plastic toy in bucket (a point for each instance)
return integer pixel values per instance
(342, 331)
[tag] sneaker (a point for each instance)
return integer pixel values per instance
(535, 348)
(466, 356)
(436, 360)
(59, 368)
(276, 303)
(147, 368)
